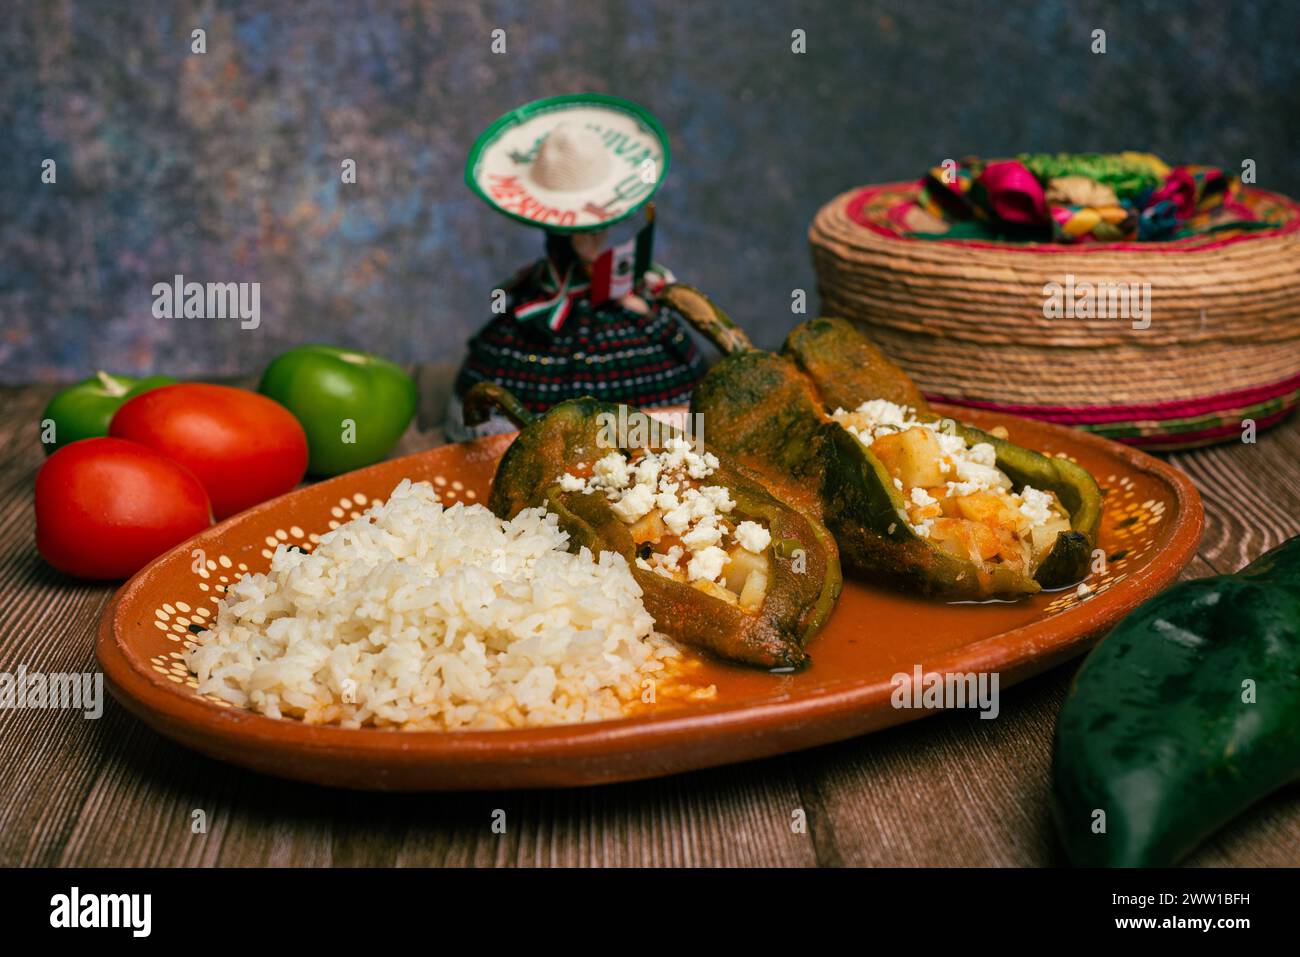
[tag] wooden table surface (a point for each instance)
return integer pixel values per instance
(947, 790)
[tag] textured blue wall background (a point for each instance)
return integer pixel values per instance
(225, 166)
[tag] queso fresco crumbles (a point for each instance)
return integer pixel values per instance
(679, 521)
(954, 494)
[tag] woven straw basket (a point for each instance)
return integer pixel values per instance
(966, 318)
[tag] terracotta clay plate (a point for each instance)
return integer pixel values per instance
(1150, 528)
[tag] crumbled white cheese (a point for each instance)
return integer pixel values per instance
(1035, 505)
(709, 464)
(1083, 589)
(719, 496)
(704, 534)
(922, 498)
(706, 564)
(884, 412)
(667, 499)
(978, 467)
(753, 537)
(634, 503)
(970, 470)
(702, 505)
(680, 455)
(950, 443)
(668, 559)
(610, 471)
(695, 505)
(679, 519)
(663, 480)
(647, 470)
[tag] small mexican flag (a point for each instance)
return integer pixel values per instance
(616, 271)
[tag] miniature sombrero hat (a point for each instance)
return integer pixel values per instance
(570, 163)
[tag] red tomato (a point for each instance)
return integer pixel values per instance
(105, 507)
(243, 447)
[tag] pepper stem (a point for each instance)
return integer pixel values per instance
(111, 386)
(707, 319)
(483, 397)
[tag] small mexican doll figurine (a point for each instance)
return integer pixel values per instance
(585, 320)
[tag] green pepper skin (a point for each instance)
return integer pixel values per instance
(1067, 560)
(772, 412)
(847, 368)
(84, 410)
(797, 603)
(1155, 732)
(323, 386)
(758, 411)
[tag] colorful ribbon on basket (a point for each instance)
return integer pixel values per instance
(1082, 197)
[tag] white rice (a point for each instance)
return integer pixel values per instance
(422, 617)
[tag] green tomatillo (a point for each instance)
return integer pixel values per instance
(83, 411)
(352, 405)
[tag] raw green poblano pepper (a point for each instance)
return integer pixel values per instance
(1186, 714)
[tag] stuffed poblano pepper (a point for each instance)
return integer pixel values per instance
(912, 498)
(723, 565)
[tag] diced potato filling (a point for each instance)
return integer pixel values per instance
(742, 564)
(955, 495)
(912, 457)
(1043, 537)
(649, 528)
(744, 576)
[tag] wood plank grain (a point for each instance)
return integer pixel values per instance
(734, 816)
(1252, 502)
(1250, 493)
(948, 790)
(980, 796)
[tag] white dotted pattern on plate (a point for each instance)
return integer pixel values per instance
(180, 621)
(1133, 523)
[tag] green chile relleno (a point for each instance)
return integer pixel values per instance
(772, 413)
(1160, 730)
(804, 578)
